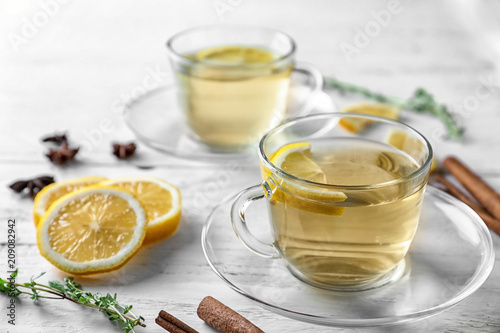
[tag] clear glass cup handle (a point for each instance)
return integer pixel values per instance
(316, 86)
(243, 200)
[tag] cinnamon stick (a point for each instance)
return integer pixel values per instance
(490, 221)
(223, 318)
(176, 322)
(483, 193)
(168, 326)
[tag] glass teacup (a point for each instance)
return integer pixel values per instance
(233, 82)
(344, 206)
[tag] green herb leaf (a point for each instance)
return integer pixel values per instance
(3, 285)
(421, 101)
(38, 276)
(13, 275)
(57, 285)
(70, 290)
(34, 295)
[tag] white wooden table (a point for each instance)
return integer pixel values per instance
(71, 69)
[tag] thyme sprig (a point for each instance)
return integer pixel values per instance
(72, 291)
(421, 101)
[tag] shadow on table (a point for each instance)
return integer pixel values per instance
(165, 258)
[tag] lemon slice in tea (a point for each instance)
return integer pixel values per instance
(235, 55)
(401, 140)
(296, 159)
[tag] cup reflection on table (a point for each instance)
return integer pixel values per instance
(349, 224)
(233, 81)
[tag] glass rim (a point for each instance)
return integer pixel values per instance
(181, 57)
(415, 174)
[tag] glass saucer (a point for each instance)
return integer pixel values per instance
(450, 258)
(157, 120)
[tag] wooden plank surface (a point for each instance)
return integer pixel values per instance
(75, 71)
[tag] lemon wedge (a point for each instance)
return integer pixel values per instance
(401, 140)
(296, 159)
(357, 125)
(54, 191)
(161, 201)
(92, 230)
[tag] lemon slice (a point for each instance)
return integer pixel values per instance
(357, 125)
(401, 140)
(54, 191)
(92, 230)
(296, 159)
(235, 55)
(161, 200)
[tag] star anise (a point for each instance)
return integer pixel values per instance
(62, 155)
(124, 151)
(56, 138)
(33, 185)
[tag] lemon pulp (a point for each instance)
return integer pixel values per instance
(161, 201)
(96, 222)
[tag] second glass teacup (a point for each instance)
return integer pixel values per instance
(233, 82)
(344, 207)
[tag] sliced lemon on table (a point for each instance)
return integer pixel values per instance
(357, 125)
(296, 159)
(161, 200)
(92, 230)
(49, 194)
(401, 140)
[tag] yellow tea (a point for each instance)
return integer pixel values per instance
(232, 94)
(348, 236)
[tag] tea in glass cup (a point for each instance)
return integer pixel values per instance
(233, 81)
(344, 207)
